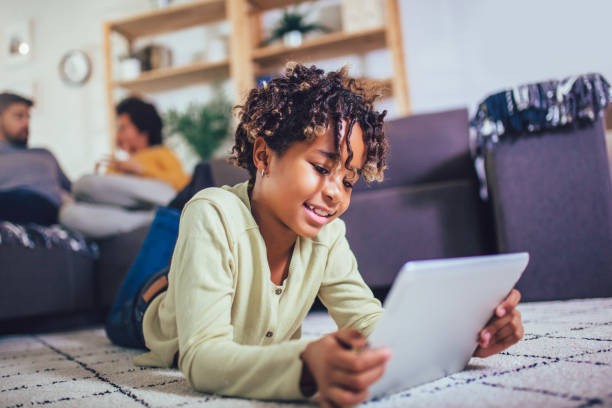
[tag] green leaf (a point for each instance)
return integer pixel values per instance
(292, 21)
(203, 126)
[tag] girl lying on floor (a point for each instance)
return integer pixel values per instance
(250, 259)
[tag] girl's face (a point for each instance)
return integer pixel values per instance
(309, 185)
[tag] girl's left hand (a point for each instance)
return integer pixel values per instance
(504, 330)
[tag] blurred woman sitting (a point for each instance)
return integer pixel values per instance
(142, 175)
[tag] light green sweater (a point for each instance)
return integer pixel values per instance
(236, 332)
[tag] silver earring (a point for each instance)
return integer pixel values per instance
(262, 172)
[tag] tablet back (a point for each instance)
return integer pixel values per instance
(434, 312)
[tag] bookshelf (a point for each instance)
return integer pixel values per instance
(246, 59)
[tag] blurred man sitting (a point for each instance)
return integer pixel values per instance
(32, 184)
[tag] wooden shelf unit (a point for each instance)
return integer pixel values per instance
(170, 78)
(326, 45)
(169, 19)
(258, 6)
(246, 59)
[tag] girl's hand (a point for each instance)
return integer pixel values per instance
(343, 368)
(504, 330)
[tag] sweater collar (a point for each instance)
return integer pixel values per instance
(242, 191)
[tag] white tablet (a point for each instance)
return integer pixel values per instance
(433, 315)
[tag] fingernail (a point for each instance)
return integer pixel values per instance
(501, 311)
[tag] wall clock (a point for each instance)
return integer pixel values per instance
(75, 68)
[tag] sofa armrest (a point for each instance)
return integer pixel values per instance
(552, 196)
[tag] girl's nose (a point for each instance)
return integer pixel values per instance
(332, 189)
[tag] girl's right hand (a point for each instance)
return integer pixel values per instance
(343, 367)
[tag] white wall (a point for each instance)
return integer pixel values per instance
(457, 51)
(70, 121)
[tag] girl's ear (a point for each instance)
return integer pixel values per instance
(260, 154)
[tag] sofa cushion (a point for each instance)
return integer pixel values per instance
(44, 281)
(200, 179)
(387, 228)
(116, 257)
(224, 173)
(426, 148)
(45, 270)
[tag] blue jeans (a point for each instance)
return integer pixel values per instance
(124, 322)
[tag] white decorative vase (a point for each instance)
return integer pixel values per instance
(129, 68)
(293, 38)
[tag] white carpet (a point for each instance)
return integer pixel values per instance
(564, 360)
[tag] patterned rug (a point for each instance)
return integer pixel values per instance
(564, 360)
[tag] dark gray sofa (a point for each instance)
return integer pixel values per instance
(548, 196)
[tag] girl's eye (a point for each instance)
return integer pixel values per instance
(348, 185)
(320, 169)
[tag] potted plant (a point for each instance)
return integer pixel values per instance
(291, 28)
(202, 126)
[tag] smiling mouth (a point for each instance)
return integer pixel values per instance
(318, 211)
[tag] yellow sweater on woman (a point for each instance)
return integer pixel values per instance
(159, 162)
(236, 332)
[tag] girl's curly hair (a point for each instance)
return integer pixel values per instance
(300, 105)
